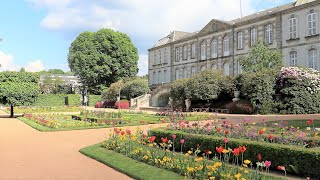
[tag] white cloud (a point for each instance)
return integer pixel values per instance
(35, 66)
(143, 64)
(145, 20)
(7, 62)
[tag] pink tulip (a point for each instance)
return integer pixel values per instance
(267, 163)
(225, 140)
(174, 136)
(182, 141)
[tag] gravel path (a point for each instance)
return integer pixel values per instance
(26, 153)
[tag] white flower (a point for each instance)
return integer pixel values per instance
(317, 129)
(308, 128)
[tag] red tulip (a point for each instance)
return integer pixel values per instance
(128, 131)
(309, 122)
(144, 136)
(152, 138)
(122, 133)
(270, 136)
(260, 131)
(282, 168)
(164, 140)
(218, 129)
(242, 149)
(219, 149)
(226, 132)
(236, 151)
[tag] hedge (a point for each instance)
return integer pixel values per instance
(58, 99)
(306, 161)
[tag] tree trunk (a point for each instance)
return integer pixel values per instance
(11, 112)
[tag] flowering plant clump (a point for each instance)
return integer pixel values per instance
(301, 74)
(279, 132)
(145, 149)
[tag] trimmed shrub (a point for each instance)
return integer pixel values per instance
(123, 104)
(306, 161)
(258, 88)
(107, 104)
(240, 107)
(98, 105)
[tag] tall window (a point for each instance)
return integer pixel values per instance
(239, 67)
(214, 48)
(293, 58)
(185, 52)
(177, 55)
(155, 57)
(253, 36)
(159, 77)
(293, 28)
(159, 57)
(165, 76)
(193, 71)
(203, 50)
(226, 70)
(154, 78)
(202, 68)
(313, 58)
(193, 50)
(177, 74)
(226, 46)
(312, 23)
(165, 55)
(214, 66)
(268, 33)
(240, 40)
(185, 72)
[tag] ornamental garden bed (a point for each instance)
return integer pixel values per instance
(22, 110)
(98, 119)
(282, 143)
(160, 152)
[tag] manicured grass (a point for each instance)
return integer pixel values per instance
(302, 124)
(128, 166)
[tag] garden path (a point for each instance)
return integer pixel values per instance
(26, 153)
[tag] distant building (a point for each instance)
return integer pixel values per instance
(292, 28)
(69, 80)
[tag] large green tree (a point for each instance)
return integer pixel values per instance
(18, 88)
(103, 57)
(260, 58)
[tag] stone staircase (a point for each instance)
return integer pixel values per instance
(141, 101)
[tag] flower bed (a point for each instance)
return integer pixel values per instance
(192, 164)
(302, 161)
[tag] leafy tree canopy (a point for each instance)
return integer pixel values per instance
(103, 57)
(18, 88)
(260, 58)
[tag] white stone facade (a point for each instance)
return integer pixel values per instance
(220, 44)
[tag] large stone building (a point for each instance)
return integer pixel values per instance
(292, 28)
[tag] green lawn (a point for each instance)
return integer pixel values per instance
(128, 166)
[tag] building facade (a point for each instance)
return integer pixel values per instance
(293, 29)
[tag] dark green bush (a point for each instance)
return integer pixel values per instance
(297, 99)
(258, 88)
(134, 88)
(307, 161)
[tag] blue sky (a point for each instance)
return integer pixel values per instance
(37, 33)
